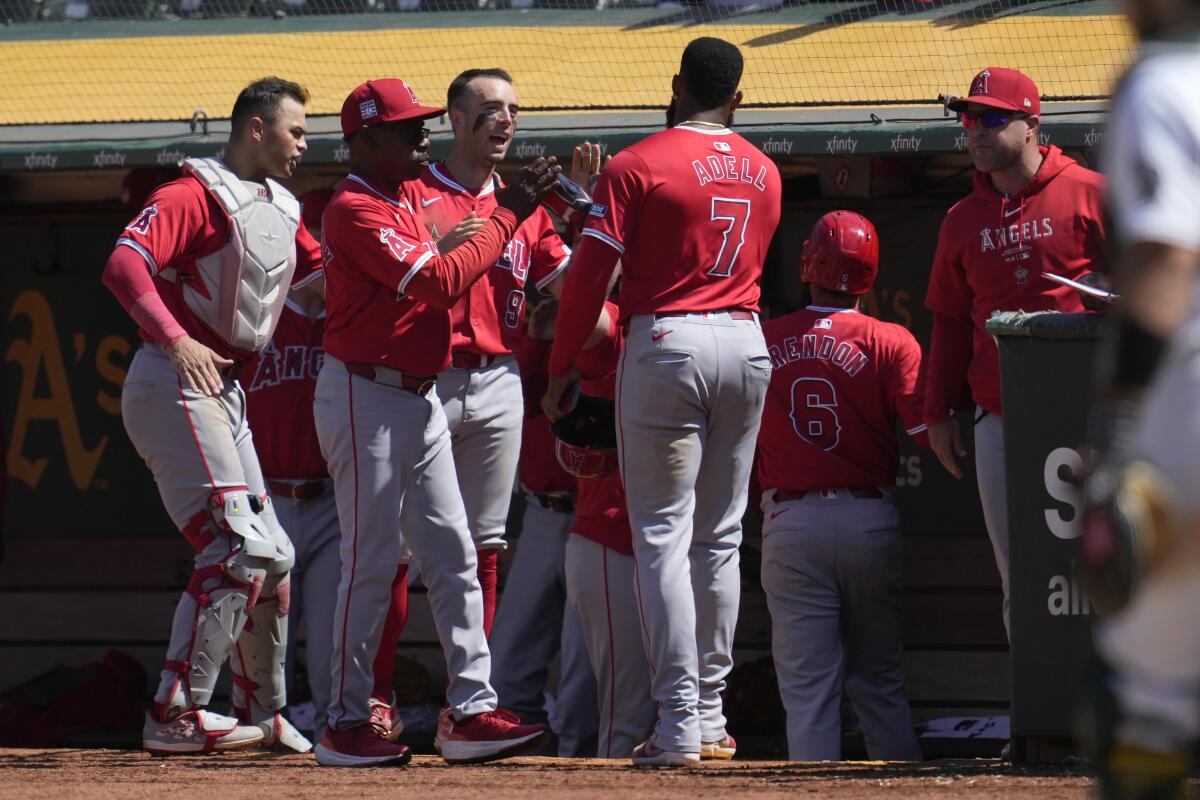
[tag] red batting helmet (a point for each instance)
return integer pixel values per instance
(842, 253)
(585, 440)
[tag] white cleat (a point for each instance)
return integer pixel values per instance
(722, 749)
(647, 754)
(197, 731)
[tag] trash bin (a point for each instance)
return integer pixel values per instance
(1046, 369)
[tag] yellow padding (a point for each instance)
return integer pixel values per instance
(168, 77)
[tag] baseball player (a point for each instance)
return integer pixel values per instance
(689, 212)
(1033, 210)
(534, 621)
(1142, 495)
(279, 384)
(204, 270)
(600, 568)
(383, 432)
(481, 391)
(832, 564)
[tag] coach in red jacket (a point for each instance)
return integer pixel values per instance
(1033, 211)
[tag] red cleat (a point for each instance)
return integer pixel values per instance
(489, 736)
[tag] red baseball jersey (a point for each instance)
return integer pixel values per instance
(280, 383)
(840, 380)
(601, 513)
(539, 469)
(991, 253)
(488, 318)
(692, 212)
(182, 222)
(374, 246)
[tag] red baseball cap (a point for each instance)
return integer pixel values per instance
(383, 100)
(999, 87)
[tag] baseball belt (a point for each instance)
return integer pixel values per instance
(734, 313)
(857, 492)
(417, 384)
(465, 359)
(563, 503)
(298, 490)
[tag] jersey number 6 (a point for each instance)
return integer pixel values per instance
(737, 214)
(814, 412)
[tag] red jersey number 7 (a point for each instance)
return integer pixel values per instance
(737, 214)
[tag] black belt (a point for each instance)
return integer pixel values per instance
(860, 493)
(298, 490)
(563, 503)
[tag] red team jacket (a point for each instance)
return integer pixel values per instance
(181, 223)
(280, 383)
(840, 380)
(385, 304)
(991, 254)
(691, 213)
(489, 317)
(601, 513)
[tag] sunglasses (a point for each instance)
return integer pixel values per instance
(412, 134)
(992, 118)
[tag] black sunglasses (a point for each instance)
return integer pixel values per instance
(410, 132)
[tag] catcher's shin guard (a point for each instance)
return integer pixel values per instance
(258, 658)
(235, 548)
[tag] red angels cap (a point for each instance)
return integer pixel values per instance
(999, 87)
(383, 100)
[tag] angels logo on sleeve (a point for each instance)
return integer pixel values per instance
(142, 223)
(399, 246)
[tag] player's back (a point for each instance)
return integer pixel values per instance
(840, 380)
(694, 210)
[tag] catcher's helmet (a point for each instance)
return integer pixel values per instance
(586, 438)
(842, 253)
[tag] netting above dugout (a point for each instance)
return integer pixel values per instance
(122, 60)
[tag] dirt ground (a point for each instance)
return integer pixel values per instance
(110, 774)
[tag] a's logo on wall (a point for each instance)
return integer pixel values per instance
(44, 400)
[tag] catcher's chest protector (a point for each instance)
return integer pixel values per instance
(243, 285)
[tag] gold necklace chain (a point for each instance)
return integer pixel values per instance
(702, 122)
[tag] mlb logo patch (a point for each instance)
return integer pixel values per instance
(367, 110)
(823, 324)
(598, 210)
(723, 147)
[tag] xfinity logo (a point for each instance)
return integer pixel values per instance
(530, 150)
(40, 161)
(1043, 138)
(778, 146)
(838, 144)
(342, 154)
(906, 144)
(960, 141)
(103, 159)
(1093, 138)
(166, 156)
